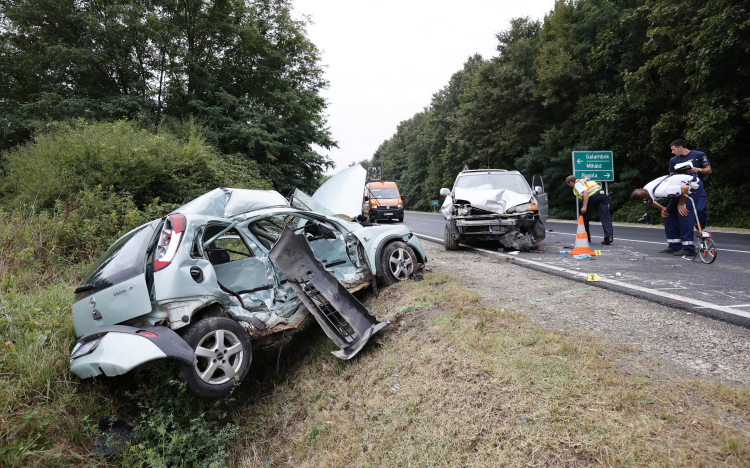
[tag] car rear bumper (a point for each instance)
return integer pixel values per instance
(121, 348)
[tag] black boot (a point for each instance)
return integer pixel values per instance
(607, 240)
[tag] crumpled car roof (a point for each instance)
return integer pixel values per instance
(227, 202)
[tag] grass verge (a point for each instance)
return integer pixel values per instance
(451, 383)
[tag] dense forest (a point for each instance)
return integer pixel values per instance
(629, 76)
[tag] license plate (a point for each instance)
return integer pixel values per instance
(388, 214)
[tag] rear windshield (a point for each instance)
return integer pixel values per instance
(125, 259)
(512, 182)
(384, 192)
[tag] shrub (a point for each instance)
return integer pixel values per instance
(175, 428)
(66, 157)
(37, 248)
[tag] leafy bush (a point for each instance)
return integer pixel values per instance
(40, 247)
(632, 211)
(66, 157)
(728, 205)
(175, 428)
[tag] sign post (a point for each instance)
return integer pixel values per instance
(434, 204)
(595, 165)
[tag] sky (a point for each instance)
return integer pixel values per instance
(385, 59)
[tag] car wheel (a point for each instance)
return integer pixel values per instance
(450, 241)
(397, 262)
(223, 353)
(400, 220)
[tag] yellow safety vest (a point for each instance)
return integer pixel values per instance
(591, 186)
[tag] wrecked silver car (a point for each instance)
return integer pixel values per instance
(232, 269)
(494, 204)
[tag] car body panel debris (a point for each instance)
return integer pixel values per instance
(341, 316)
(207, 265)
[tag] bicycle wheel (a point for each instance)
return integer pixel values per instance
(707, 251)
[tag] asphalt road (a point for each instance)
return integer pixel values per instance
(633, 265)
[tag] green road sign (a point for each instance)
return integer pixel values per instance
(594, 165)
(435, 203)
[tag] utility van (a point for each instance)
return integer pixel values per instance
(382, 200)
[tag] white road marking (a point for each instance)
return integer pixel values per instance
(442, 221)
(696, 302)
(649, 242)
(738, 305)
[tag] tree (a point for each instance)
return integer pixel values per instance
(244, 70)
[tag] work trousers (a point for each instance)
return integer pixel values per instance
(599, 202)
(678, 228)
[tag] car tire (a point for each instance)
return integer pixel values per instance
(450, 241)
(400, 220)
(223, 353)
(397, 262)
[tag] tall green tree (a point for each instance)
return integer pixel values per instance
(244, 70)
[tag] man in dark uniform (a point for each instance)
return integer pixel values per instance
(701, 164)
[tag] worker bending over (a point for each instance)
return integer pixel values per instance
(590, 193)
(678, 214)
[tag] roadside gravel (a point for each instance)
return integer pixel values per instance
(665, 340)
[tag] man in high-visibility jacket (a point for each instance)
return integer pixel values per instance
(592, 197)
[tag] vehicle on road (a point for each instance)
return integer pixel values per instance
(382, 201)
(229, 270)
(495, 204)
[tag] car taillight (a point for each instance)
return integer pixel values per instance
(147, 334)
(169, 240)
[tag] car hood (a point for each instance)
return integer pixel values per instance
(227, 202)
(342, 193)
(495, 200)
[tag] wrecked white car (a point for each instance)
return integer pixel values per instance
(494, 204)
(232, 269)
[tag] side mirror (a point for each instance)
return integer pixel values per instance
(444, 192)
(538, 190)
(403, 199)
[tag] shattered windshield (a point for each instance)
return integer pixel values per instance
(512, 182)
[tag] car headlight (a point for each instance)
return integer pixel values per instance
(400, 205)
(83, 349)
(464, 210)
(521, 208)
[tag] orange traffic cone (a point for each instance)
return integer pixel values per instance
(582, 240)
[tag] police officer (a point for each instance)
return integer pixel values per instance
(593, 199)
(678, 214)
(701, 164)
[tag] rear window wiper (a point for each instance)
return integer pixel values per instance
(84, 287)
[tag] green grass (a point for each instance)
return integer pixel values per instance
(448, 383)
(459, 384)
(45, 411)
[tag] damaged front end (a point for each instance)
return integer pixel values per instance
(495, 215)
(341, 316)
